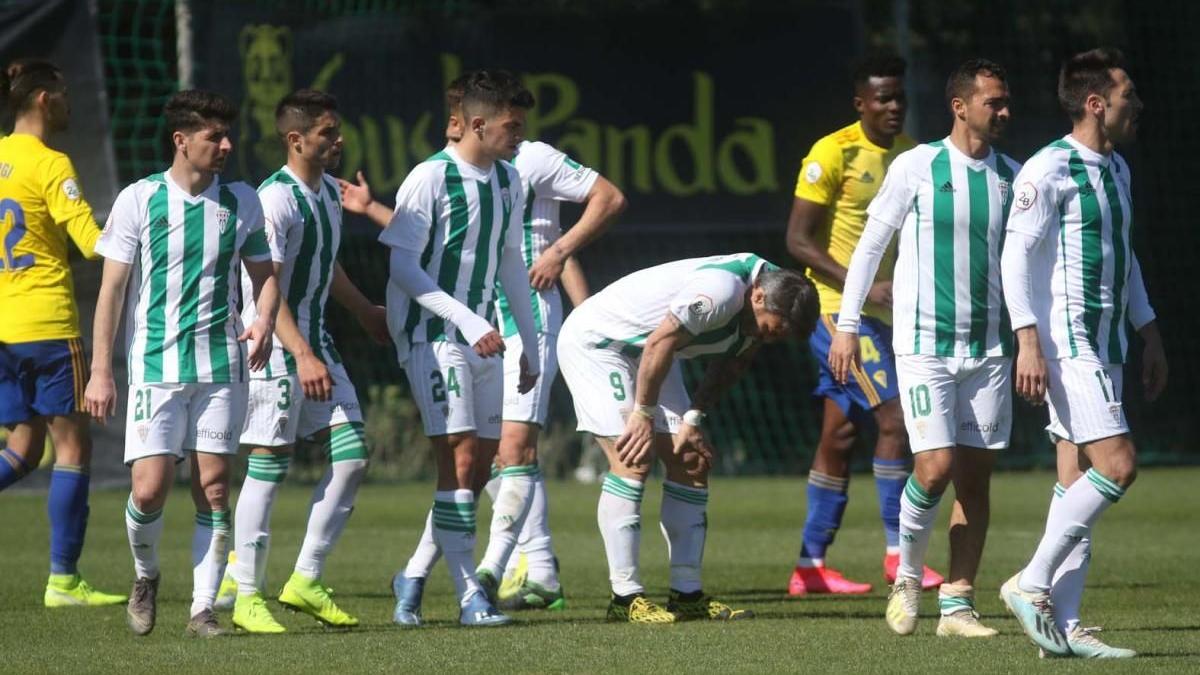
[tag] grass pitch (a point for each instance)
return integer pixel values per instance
(1142, 589)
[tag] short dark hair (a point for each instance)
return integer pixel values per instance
(299, 110)
(454, 92)
(1085, 74)
(193, 109)
(961, 83)
(488, 92)
(877, 64)
(21, 81)
(791, 295)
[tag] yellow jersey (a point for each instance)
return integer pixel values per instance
(843, 171)
(40, 206)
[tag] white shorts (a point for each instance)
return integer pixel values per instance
(950, 401)
(534, 405)
(278, 413)
(455, 389)
(1085, 399)
(602, 384)
(166, 419)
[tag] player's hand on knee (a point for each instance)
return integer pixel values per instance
(490, 344)
(843, 355)
(315, 380)
(527, 380)
(634, 444)
(690, 438)
(100, 397)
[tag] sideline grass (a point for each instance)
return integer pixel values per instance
(1142, 589)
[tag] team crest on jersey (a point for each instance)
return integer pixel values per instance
(1003, 187)
(223, 219)
(142, 431)
(1027, 195)
(880, 376)
(701, 305)
(506, 197)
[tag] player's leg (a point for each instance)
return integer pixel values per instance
(340, 434)
(155, 423)
(216, 419)
(1066, 590)
(984, 427)
(22, 451)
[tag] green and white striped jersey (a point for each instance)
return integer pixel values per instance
(1077, 203)
(460, 218)
(304, 230)
(548, 178)
(706, 296)
(181, 318)
(950, 210)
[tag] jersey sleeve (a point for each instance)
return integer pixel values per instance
(895, 197)
(513, 235)
(709, 300)
(416, 207)
(821, 173)
(555, 175)
(122, 232)
(254, 245)
(279, 215)
(1035, 201)
(67, 207)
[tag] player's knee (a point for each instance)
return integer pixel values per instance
(216, 495)
(148, 498)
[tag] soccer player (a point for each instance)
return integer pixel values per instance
(946, 202)
(619, 353)
(186, 232)
(42, 362)
(838, 179)
(456, 233)
(304, 392)
(1069, 238)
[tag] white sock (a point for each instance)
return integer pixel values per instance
(454, 532)
(1070, 521)
(510, 506)
(492, 487)
(210, 546)
(426, 556)
(918, 510)
(1067, 590)
(619, 514)
(684, 524)
(332, 504)
(252, 520)
(535, 542)
(144, 531)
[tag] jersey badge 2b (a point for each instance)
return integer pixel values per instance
(812, 172)
(1027, 195)
(223, 219)
(71, 189)
(701, 305)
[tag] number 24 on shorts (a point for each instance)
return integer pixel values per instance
(442, 384)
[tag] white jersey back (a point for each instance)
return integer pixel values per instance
(548, 178)
(181, 318)
(705, 295)
(304, 231)
(459, 218)
(1087, 259)
(950, 210)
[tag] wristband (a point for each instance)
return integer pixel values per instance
(694, 417)
(646, 411)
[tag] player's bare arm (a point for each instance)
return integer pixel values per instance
(719, 378)
(314, 376)
(406, 272)
(806, 216)
(605, 202)
(266, 299)
(101, 395)
(574, 282)
(372, 317)
(356, 198)
(633, 446)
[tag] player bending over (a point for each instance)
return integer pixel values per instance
(618, 352)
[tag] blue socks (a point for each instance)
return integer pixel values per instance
(890, 477)
(12, 468)
(826, 505)
(68, 509)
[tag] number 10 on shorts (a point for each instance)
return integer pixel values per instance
(918, 400)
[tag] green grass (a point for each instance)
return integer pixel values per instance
(1142, 589)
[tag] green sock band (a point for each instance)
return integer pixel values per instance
(918, 496)
(347, 442)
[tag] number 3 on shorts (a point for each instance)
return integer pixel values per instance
(285, 394)
(614, 378)
(918, 398)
